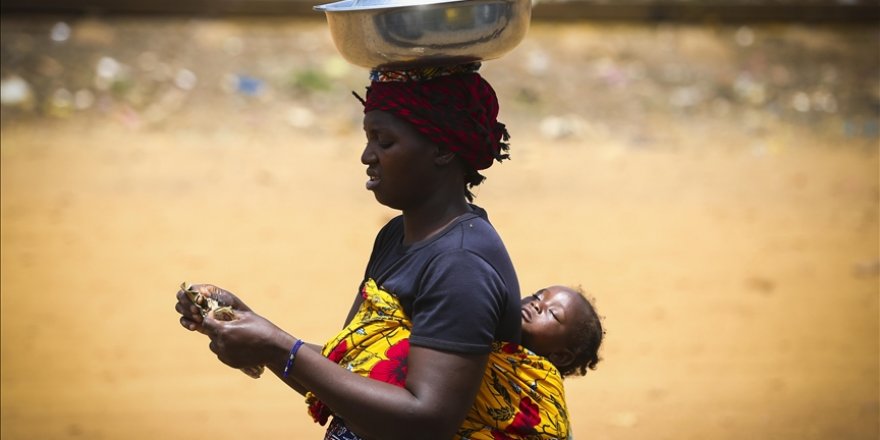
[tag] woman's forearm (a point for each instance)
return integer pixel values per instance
(438, 392)
(289, 380)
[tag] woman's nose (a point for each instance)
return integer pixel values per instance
(368, 156)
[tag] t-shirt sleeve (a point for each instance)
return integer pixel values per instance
(461, 302)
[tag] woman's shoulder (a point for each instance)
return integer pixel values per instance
(478, 235)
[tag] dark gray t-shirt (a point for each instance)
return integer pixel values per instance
(458, 288)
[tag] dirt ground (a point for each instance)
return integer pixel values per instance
(714, 189)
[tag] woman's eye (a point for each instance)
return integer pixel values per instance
(379, 139)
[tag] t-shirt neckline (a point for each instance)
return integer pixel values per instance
(475, 212)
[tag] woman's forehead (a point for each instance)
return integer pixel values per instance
(380, 120)
(379, 117)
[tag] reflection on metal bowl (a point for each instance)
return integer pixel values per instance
(391, 36)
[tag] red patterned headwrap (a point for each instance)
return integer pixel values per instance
(453, 107)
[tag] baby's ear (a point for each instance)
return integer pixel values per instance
(561, 358)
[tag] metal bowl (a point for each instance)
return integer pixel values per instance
(398, 34)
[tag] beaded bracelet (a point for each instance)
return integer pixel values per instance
(292, 357)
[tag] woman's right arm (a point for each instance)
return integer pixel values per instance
(440, 386)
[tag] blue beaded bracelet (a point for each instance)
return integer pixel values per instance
(292, 357)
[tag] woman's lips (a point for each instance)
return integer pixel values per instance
(372, 183)
(526, 315)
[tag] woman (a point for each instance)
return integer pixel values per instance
(429, 132)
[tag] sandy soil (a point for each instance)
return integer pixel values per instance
(736, 265)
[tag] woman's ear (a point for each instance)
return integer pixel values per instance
(561, 358)
(444, 157)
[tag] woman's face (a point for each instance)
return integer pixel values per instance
(548, 319)
(400, 161)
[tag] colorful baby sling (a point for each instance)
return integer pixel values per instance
(521, 396)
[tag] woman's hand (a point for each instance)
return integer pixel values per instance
(191, 315)
(246, 340)
(239, 337)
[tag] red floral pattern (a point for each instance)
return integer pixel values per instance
(510, 348)
(497, 435)
(319, 412)
(338, 351)
(393, 370)
(526, 419)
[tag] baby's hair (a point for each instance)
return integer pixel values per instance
(587, 338)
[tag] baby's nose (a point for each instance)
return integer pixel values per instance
(537, 306)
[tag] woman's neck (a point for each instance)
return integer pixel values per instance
(427, 220)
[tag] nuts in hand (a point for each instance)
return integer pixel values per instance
(219, 312)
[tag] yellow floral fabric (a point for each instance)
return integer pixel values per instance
(521, 396)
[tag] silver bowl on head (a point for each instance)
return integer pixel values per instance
(400, 34)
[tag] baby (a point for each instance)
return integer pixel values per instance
(522, 395)
(560, 324)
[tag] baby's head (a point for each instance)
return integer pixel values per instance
(560, 324)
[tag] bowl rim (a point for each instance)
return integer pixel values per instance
(352, 5)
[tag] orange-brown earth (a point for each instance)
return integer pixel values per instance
(734, 255)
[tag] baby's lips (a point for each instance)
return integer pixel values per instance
(526, 314)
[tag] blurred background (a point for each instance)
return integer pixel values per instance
(706, 171)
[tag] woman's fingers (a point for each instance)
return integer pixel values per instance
(190, 314)
(217, 344)
(189, 325)
(222, 296)
(187, 309)
(210, 327)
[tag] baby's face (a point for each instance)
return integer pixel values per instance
(548, 318)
